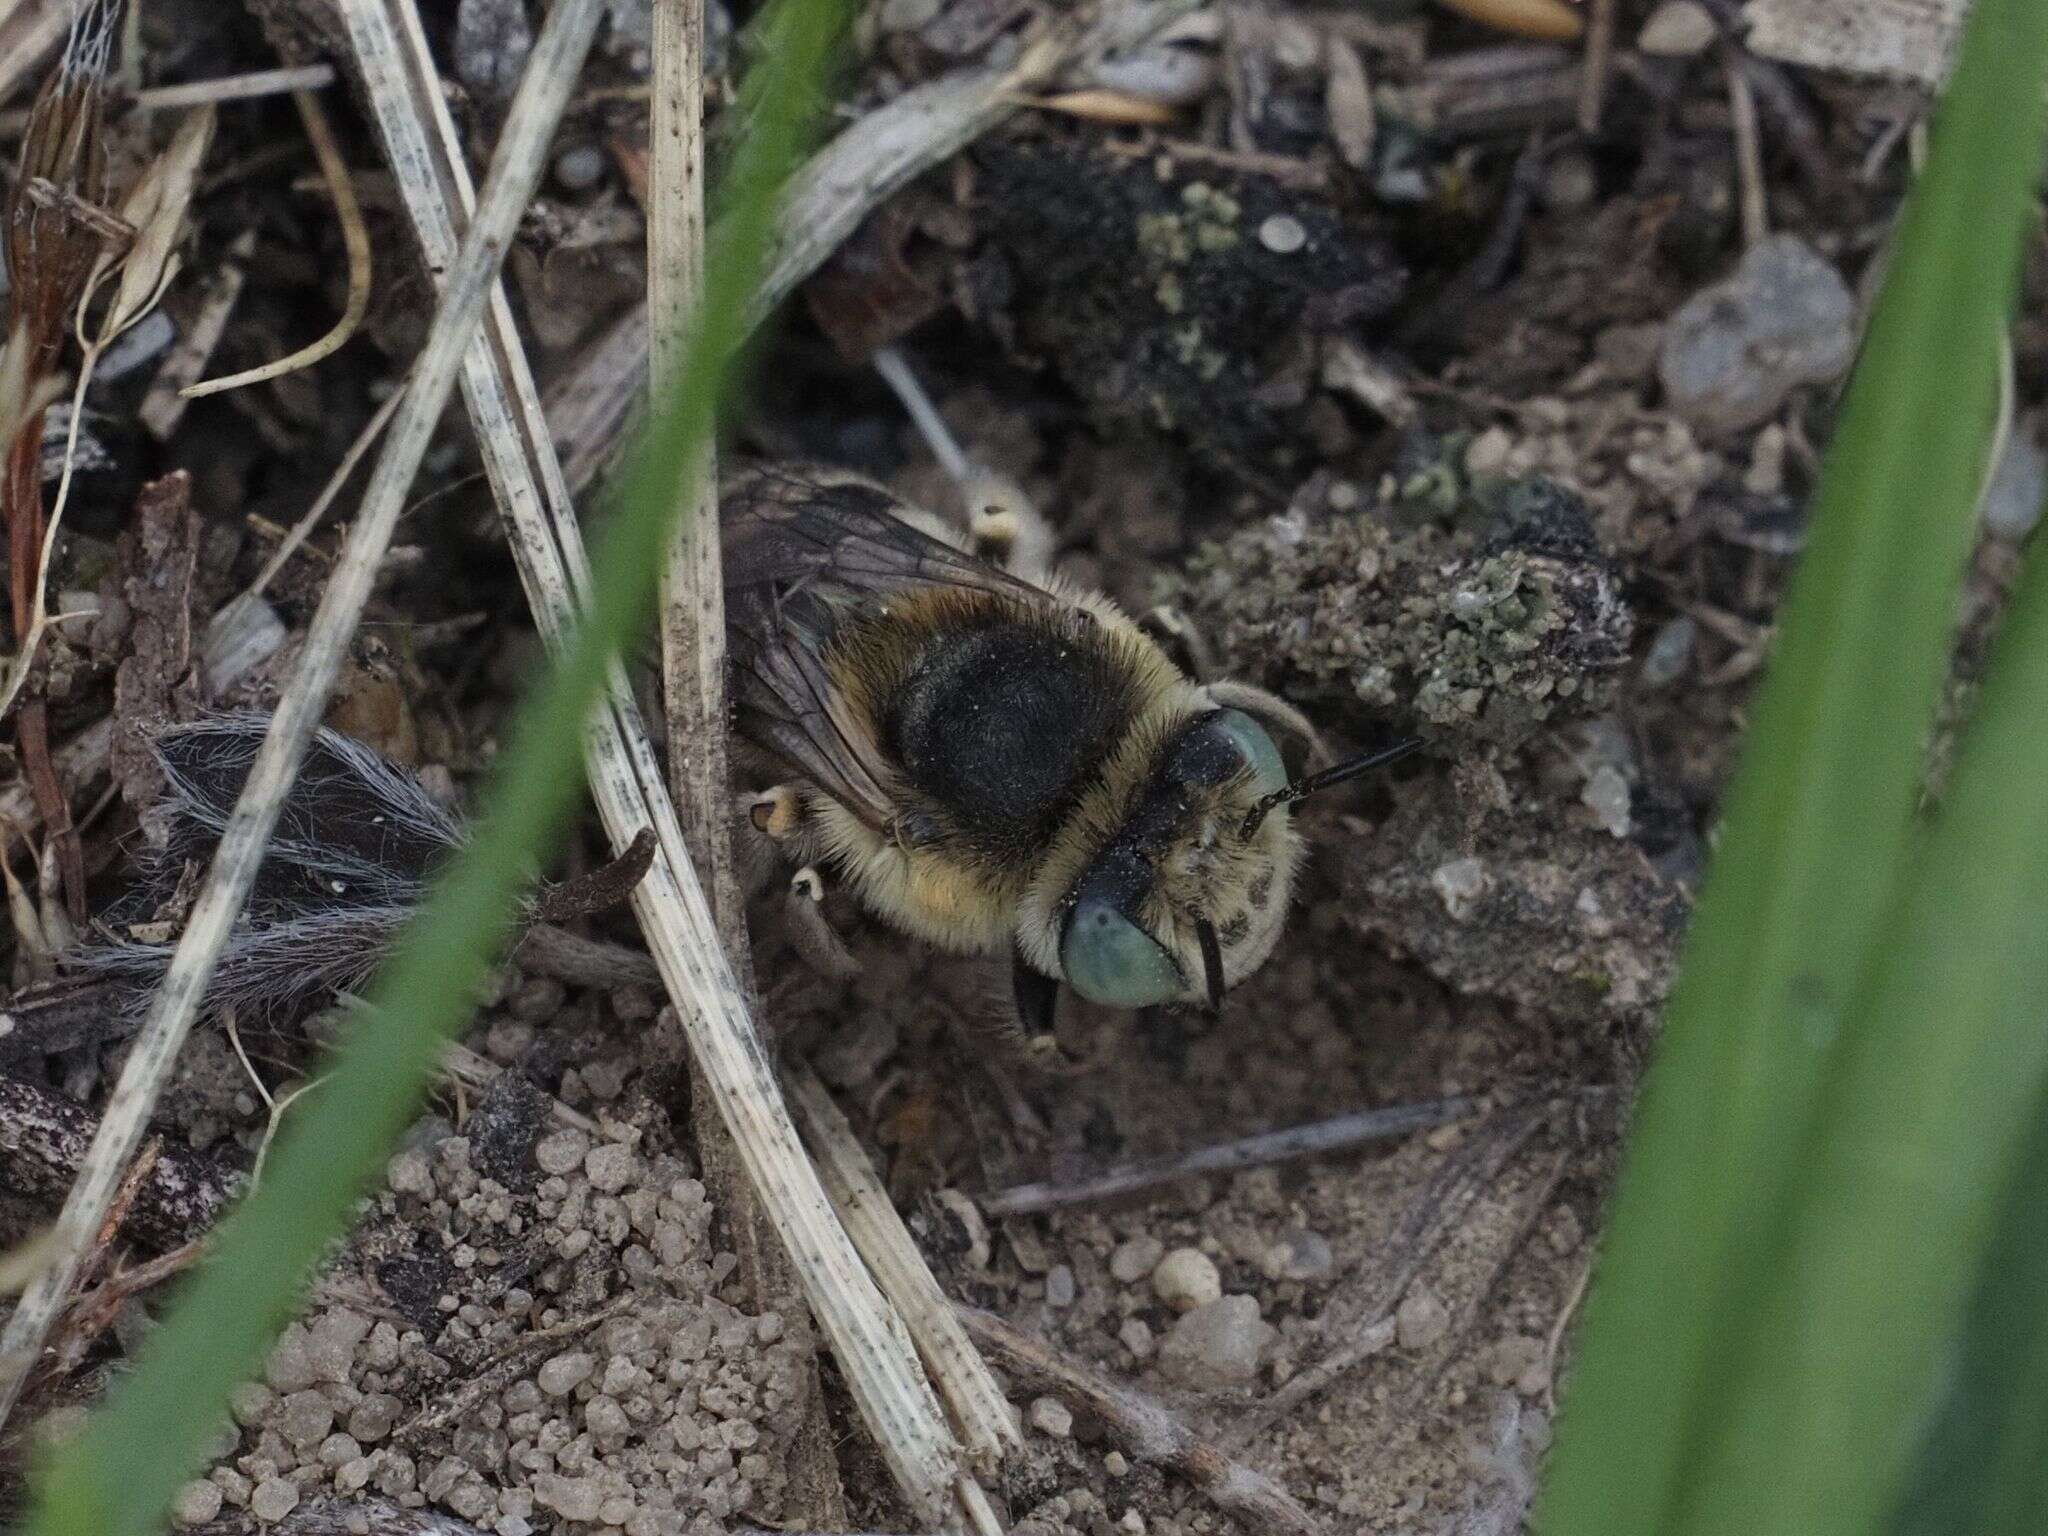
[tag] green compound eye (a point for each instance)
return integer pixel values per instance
(1109, 959)
(1250, 738)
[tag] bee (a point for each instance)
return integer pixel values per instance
(1000, 763)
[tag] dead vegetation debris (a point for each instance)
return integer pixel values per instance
(1423, 372)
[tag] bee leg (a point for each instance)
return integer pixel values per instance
(1182, 639)
(816, 943)
(1005, 529)
(1028, 1034)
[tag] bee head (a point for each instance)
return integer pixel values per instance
(1188, 896)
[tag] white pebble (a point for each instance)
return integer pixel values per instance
(1217, 1346)
(1677, 29)
(1050, 1416)
(274, 1498)
(1135, 1258)
(1282, 235)
(1186, 1279)
(562, 1153)
(611, 1167)
(564, 1373)
(1420, 1320)
(197, 1502)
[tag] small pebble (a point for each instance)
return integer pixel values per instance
(1570, 183)
(273, 1499)
(1186, 1279)
(1135, 1258)
(1735, 350)
(561, 1153)
(1670, 649)
(1606, 795)
(1115, 1464)
(1300, 1255)
(1677, 29)
(1420, 1320)
(1136, 1336)
(610, 1167)
(372, 1418)
(1050, 1416)
(1059, 1286)
(573, 1498)
(2019, 489)
(304, 1418)
(409, 1173)
(1217, 1346)
(1282, 235)
(579, 169)
(1459, 885)
(564, 1373)
(197, 1502)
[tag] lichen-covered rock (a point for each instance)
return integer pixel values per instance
(1555, 914)
(1156, 298)
(1465, 635)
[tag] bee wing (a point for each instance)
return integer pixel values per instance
(804, 548)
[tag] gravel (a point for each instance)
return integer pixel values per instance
(1217, 1346)
(1735, 350)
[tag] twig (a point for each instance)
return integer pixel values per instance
(693, 694)
(516, 167)
(839, 187)
(1147, 1427)
(868, 1340)
(1599, 67)
(355, 239)
(44, 1140)
(303, 528)
(164, 406)
(1318, 1140)
(979, 1409)
(198, 93)
(1749, 154)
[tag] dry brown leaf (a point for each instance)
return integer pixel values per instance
(1552, 21)
(156, 206)
(1112, 107)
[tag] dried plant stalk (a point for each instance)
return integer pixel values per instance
(543, 94)
(355, 239)
(869, 1341)
(982, 1414)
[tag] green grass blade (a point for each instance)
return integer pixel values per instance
(1819, 819)
(1925, 1104)
(118, 1478)
(1983, 1467)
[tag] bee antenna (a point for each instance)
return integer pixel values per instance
(1329, 778)
(1212, 962)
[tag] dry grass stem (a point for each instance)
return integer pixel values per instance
(30, 31)
(987, 1426)
(869, 1341)
(355, 239)
(1147, 1427)
(163, 408)
(1324, 1137)
(692, 634)
(543, 93)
